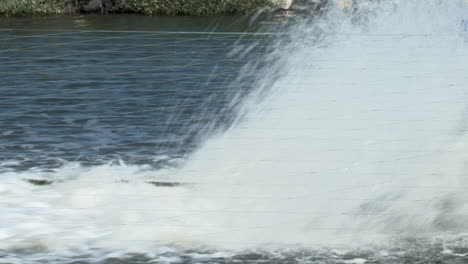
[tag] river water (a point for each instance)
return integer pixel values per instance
(98, 89)
(285, 138)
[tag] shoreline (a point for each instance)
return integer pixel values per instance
(143, 7)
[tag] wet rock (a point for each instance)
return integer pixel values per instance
(92, 6)
(164, 184)
(39, 182)
(95, 6)
(42, 182)
(283, 4)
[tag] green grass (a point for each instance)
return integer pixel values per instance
(190, 7)
(35, 7)
(146, 7)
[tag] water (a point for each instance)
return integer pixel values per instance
(340, 140)
(96, 96)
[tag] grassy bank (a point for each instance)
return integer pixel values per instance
(36, 7)
(147, 7)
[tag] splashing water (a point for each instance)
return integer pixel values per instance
(356, 135)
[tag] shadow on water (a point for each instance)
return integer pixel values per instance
(251, 23)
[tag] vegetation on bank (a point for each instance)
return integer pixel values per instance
(147, 7)
(36, 7)
(189, 7)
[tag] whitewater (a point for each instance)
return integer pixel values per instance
(351, 148)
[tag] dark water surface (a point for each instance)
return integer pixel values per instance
(93, 89)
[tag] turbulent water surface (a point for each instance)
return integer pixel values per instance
(337, 137)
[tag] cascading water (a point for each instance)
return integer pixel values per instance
(356, 136)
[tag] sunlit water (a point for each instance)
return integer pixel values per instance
(339, 139)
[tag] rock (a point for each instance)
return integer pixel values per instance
(39, 182)
(165, 184)
(92, 6)
(283, 4)
(42, 182)
(286, 4)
